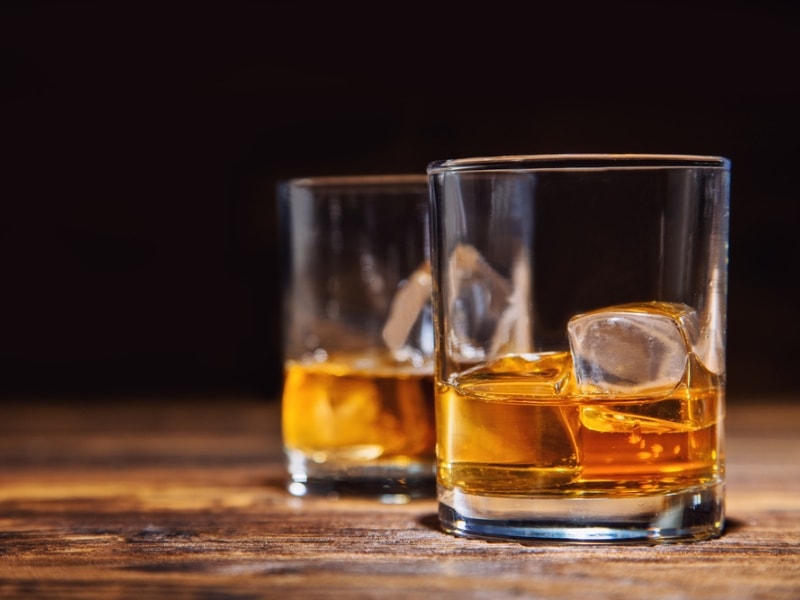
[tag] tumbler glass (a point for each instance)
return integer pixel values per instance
(579, 316)
(357, 402)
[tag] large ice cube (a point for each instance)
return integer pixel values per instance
(632, 348)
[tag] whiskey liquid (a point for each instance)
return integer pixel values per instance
(519, 426)
(351, 410)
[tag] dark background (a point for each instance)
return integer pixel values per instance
(141, 143)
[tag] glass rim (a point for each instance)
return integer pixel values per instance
(347, 180)
(578, 162)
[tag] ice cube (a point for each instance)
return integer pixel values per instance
(632, 348)
(407, 305)
(514, 330)
(710, 343)
(479, 295)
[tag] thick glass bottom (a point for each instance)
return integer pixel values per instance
(689, 515)
(392, 483)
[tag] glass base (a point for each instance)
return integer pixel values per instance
(690, 515)
(391, 483)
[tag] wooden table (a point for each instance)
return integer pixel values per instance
(185, 499)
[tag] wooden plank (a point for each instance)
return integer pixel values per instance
(186, 500)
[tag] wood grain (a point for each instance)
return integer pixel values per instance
(185, 499)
